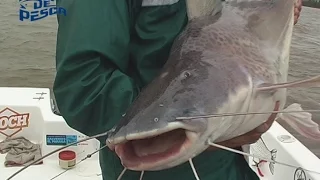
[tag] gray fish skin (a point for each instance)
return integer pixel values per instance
(213, 68)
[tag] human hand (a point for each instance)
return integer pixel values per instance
(297, 10)
(250, 137)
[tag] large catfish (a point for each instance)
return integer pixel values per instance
(232, 60)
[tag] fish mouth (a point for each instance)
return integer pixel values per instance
(155, 152)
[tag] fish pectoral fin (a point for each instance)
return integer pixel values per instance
(301, 122)
(310, 82)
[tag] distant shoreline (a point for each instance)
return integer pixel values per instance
(312, 4)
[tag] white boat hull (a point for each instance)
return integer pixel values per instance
(41, 122)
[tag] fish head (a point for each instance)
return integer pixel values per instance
(149, 137)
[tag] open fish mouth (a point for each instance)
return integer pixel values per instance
(154, 152)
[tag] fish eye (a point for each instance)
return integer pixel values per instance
(186, 74)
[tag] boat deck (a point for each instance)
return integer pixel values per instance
(87, 170)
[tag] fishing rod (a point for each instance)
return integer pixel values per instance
(54, 151)
(178, 118)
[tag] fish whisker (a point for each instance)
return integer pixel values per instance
(194, 169)
(124, 170)
(122, 173)
(141, 175)
(257, 156)
(240, 114)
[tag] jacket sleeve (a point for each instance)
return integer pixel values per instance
(91, 87)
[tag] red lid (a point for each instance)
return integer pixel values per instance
(67, 155)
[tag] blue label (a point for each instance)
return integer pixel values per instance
(34, 10)
(61, 140)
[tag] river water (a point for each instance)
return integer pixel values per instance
(27, 55)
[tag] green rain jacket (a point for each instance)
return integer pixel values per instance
(107, 50)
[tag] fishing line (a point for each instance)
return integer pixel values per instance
(121, 174)
(194, 169)
(52, 152)
(178, 118)
(257, 156)
(312, 100)
(240, 114)
(87, 157)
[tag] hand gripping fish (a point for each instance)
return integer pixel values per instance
(225, 73)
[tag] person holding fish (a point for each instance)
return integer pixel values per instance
(107, 51)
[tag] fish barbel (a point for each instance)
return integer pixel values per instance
(230, 61)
